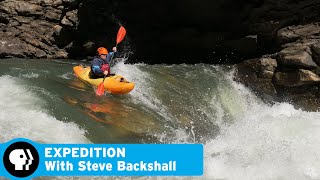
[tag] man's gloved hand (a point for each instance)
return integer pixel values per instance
(105, 67)
(105, 72)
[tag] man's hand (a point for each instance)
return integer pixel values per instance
(105, 72)
(114, 49)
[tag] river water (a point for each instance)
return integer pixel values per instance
(243, 137)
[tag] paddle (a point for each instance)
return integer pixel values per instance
(100, 89)
(121, 34)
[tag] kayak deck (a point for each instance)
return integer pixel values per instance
(114, 84)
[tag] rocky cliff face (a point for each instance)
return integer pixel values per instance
(207, 30)
(187, 31)
(34, 28)
(293, 73)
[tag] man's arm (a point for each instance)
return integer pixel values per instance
(111, 55)
(96, 67)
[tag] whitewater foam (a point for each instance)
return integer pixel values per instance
(30, 75)
(68, 75)
(260, 141)
(21, 115)
(144, 84)
(265, 142)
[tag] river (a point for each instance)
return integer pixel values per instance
(243, 137)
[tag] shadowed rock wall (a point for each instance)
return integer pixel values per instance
(290, 75)
(158, 31)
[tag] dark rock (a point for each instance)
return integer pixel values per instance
(308, 103)
(297, 86)
(89, 47)
(247, 46)
(40, 54)
(296, 56)
(10, 32)
(4, 19)
(183, 31)
(28, 9)
(267, 68)
(304, 42)
(14, 23)
(22, 19)
(71, 18)
(63, 35)
(316, 48)
(65, 21)
(316, 71)
(53, 15)
(248, 72)
(61, 8)
(293, 33)
(71, 4)
(60, 54)
(295, 79)
(229, 20)
(57, 30)
(8, 7)
(14, 47)
(53, 3)
(30, 39)
(11, 47)
(69, 1)
(316, 52)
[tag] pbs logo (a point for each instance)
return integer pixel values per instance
(21, 159)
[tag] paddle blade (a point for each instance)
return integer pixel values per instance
(121, 34)
(100, 89)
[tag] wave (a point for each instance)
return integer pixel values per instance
(265, 142)
(21, 115)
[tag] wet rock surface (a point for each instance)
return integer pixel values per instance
(27, 28)
(295, 79)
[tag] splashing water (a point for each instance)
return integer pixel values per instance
(21, 115)
(244, 138)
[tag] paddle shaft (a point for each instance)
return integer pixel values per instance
(111, 60)
(120, 35)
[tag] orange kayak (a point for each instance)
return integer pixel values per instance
(115, 84)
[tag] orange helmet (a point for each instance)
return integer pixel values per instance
(102, 50)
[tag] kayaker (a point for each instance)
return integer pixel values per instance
(100, 64)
